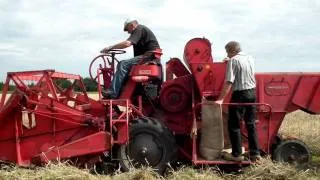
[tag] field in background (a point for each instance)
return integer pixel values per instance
(305, 127)
(93, 95)
(298, 124)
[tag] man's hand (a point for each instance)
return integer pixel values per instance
(226, 59)
(193, 130)
(219, 101)
(106, 49)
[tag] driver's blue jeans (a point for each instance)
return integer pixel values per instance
(121, 74)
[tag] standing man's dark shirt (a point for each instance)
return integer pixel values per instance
(143, 40)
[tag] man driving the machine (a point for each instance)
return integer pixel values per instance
(143, 41)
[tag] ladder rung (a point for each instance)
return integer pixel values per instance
(119, 121)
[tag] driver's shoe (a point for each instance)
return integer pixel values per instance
(107, 94)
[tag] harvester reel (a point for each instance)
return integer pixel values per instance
(151, 144)
(105, 62)
(292, 151)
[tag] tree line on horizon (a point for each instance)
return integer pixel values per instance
(89, 84)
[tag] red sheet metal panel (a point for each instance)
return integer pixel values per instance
(198, 50)
(174, 67)
(209, 77)
(307, 93)
(276, 89)
(315, 100)
(95, 143)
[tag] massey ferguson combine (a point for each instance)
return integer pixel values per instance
(154, 122)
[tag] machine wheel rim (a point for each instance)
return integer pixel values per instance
(293, 152)
(151, 144)
(145, 150)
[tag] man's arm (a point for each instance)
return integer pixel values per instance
(225, 90)
(121, 45)
(229, 79)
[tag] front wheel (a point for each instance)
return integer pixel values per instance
(151, 144)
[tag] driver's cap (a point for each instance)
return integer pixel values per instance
(127, 23)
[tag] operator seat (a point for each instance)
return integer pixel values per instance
(147, 70)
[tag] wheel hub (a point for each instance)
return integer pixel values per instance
(144, 150)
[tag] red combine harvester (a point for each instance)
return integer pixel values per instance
(151, 122)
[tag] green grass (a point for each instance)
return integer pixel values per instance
(316, 158)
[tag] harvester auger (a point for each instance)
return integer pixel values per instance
(154, 122)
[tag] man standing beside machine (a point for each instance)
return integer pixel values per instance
(241, 80)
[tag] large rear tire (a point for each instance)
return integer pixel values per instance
(151, 144)
(292, 151)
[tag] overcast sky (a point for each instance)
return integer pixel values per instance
(66, 35)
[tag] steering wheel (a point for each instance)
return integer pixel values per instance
(106, 62)
(115, 51)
